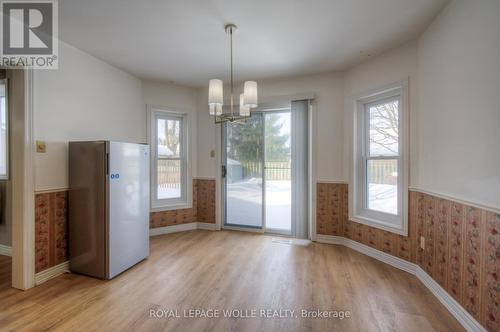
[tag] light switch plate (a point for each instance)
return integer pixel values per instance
(40, 146)
(212, 153)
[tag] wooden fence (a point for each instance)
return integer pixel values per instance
(275, 170)
(169, 173)
(383, 172)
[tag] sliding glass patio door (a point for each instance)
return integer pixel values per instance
(278, 166)
(243, 162)
(257, 161)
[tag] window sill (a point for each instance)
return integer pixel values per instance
(171, 207)
(385, 226)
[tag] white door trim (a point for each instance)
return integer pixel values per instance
(219, 213)
(312, 154)
(219, 183)
(23, 229)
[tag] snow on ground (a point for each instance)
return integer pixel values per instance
(383, 197)
(244, 204)
(164, 193)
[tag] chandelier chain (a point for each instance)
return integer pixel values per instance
(215, 95)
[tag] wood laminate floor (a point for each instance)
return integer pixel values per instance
(230, 270)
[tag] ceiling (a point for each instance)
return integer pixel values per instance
(183, 41)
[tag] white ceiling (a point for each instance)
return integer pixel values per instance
(183, 41)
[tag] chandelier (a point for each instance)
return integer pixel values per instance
(248, 99)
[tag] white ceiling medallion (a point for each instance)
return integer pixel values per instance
(248, 99)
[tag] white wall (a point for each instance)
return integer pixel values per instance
(459, 103)
(391, 67)
(85, 99)
(328, 107)
(206, 131)
(88, 99)
(176, 98)
(454, 79)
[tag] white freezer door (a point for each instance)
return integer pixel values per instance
(128, 223)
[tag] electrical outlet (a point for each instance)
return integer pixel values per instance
(422, 243)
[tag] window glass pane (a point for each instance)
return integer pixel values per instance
(382, 190)
(278, 167)
(169, 138)
(169, 178)
(384, 125)
(244, 153)
(3, 131)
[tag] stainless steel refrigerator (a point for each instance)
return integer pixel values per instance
(108, 207)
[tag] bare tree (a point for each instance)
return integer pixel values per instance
(172, 136)
(384, 126)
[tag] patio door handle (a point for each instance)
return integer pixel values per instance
(223, 171)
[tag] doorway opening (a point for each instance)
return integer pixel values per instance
(5, 187)
(17, 245)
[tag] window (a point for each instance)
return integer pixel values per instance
(4, 131)
(171, 180)
(379, 176)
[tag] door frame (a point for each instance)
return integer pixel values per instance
(23, 212)
(272, 103)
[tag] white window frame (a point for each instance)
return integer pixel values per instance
(186, 200)
(358, 210)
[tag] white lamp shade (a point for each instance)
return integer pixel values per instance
(250, 94)
(244, 110)
(215, 92)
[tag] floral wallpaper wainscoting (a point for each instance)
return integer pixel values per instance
(462, 245)
(51, 229)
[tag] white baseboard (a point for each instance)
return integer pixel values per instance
(466, 319)
(5, 250)
(173, 229)
(207, 226)
(330, 239)
(182, 228)
(382, 256)
(50, 273)
(369, 251)
(468, 322)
